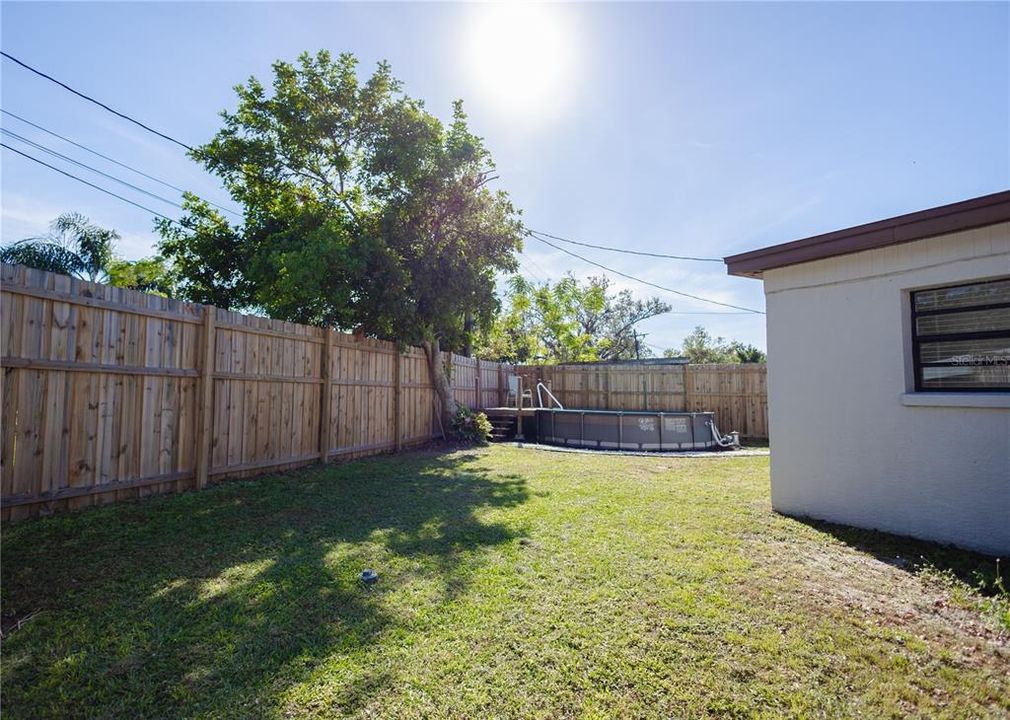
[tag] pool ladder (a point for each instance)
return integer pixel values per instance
(540, 398)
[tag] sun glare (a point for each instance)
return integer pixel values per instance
(521, 57)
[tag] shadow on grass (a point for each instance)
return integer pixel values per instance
(912, 555)
(218, 602)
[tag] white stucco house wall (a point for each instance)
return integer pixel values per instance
(889, 373)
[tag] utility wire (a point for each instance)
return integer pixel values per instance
(165, 136)
(85, 166)
(646, 282)
(529, 270)
(81, 180)
(534, 265)
(90, 99)
(625, 251)
(111, 160)
(101, 104)
(165, 217)
(671, 312)
(538, 235)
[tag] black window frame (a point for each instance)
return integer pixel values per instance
(917, 339)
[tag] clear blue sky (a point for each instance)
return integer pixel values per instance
(680, 128)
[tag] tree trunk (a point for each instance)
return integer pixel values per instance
(468, 332)
(440, 381)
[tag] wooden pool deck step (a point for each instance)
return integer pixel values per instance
(502, 429)
(503, 421)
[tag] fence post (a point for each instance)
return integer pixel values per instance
(205, 423)
(519, 410)
(448, 362)
(397, 393)
(477, 383)
(687, 389)
(501, 385)
(326, 399)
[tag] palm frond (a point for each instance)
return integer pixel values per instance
(43, 255)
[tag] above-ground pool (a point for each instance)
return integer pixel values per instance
(628, 430)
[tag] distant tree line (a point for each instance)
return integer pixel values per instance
(567, 321)
(700, 347)
(572, 321)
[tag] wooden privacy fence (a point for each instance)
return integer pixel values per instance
(109, 393)
(738, 394)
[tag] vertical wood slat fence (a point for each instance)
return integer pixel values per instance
(109, 394)
(737, 393)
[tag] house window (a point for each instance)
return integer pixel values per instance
(961, 337)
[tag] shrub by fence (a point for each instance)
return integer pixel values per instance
(738, 393)
(109, 394)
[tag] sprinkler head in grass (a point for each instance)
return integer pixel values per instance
(369, 577)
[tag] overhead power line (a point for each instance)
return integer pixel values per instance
(546, 278)
(82, 180)
(109, 159)
(531, 263)
(646, 282)
(529, 270)
(535, 234)
(625, 251)
(90, 99)
(85, 166)
(165, 217)
(180, 143)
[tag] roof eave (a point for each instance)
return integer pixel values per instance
(956, 217)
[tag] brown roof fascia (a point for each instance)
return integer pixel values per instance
(965, 215)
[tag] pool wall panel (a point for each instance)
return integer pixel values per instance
(609, 429)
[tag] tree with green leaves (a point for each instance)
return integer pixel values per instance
(361, 211)
(150, 275)
(701, 347)
(568, 321)
(747, 353)
(73, 246)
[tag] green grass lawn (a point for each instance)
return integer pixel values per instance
(513, 583)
